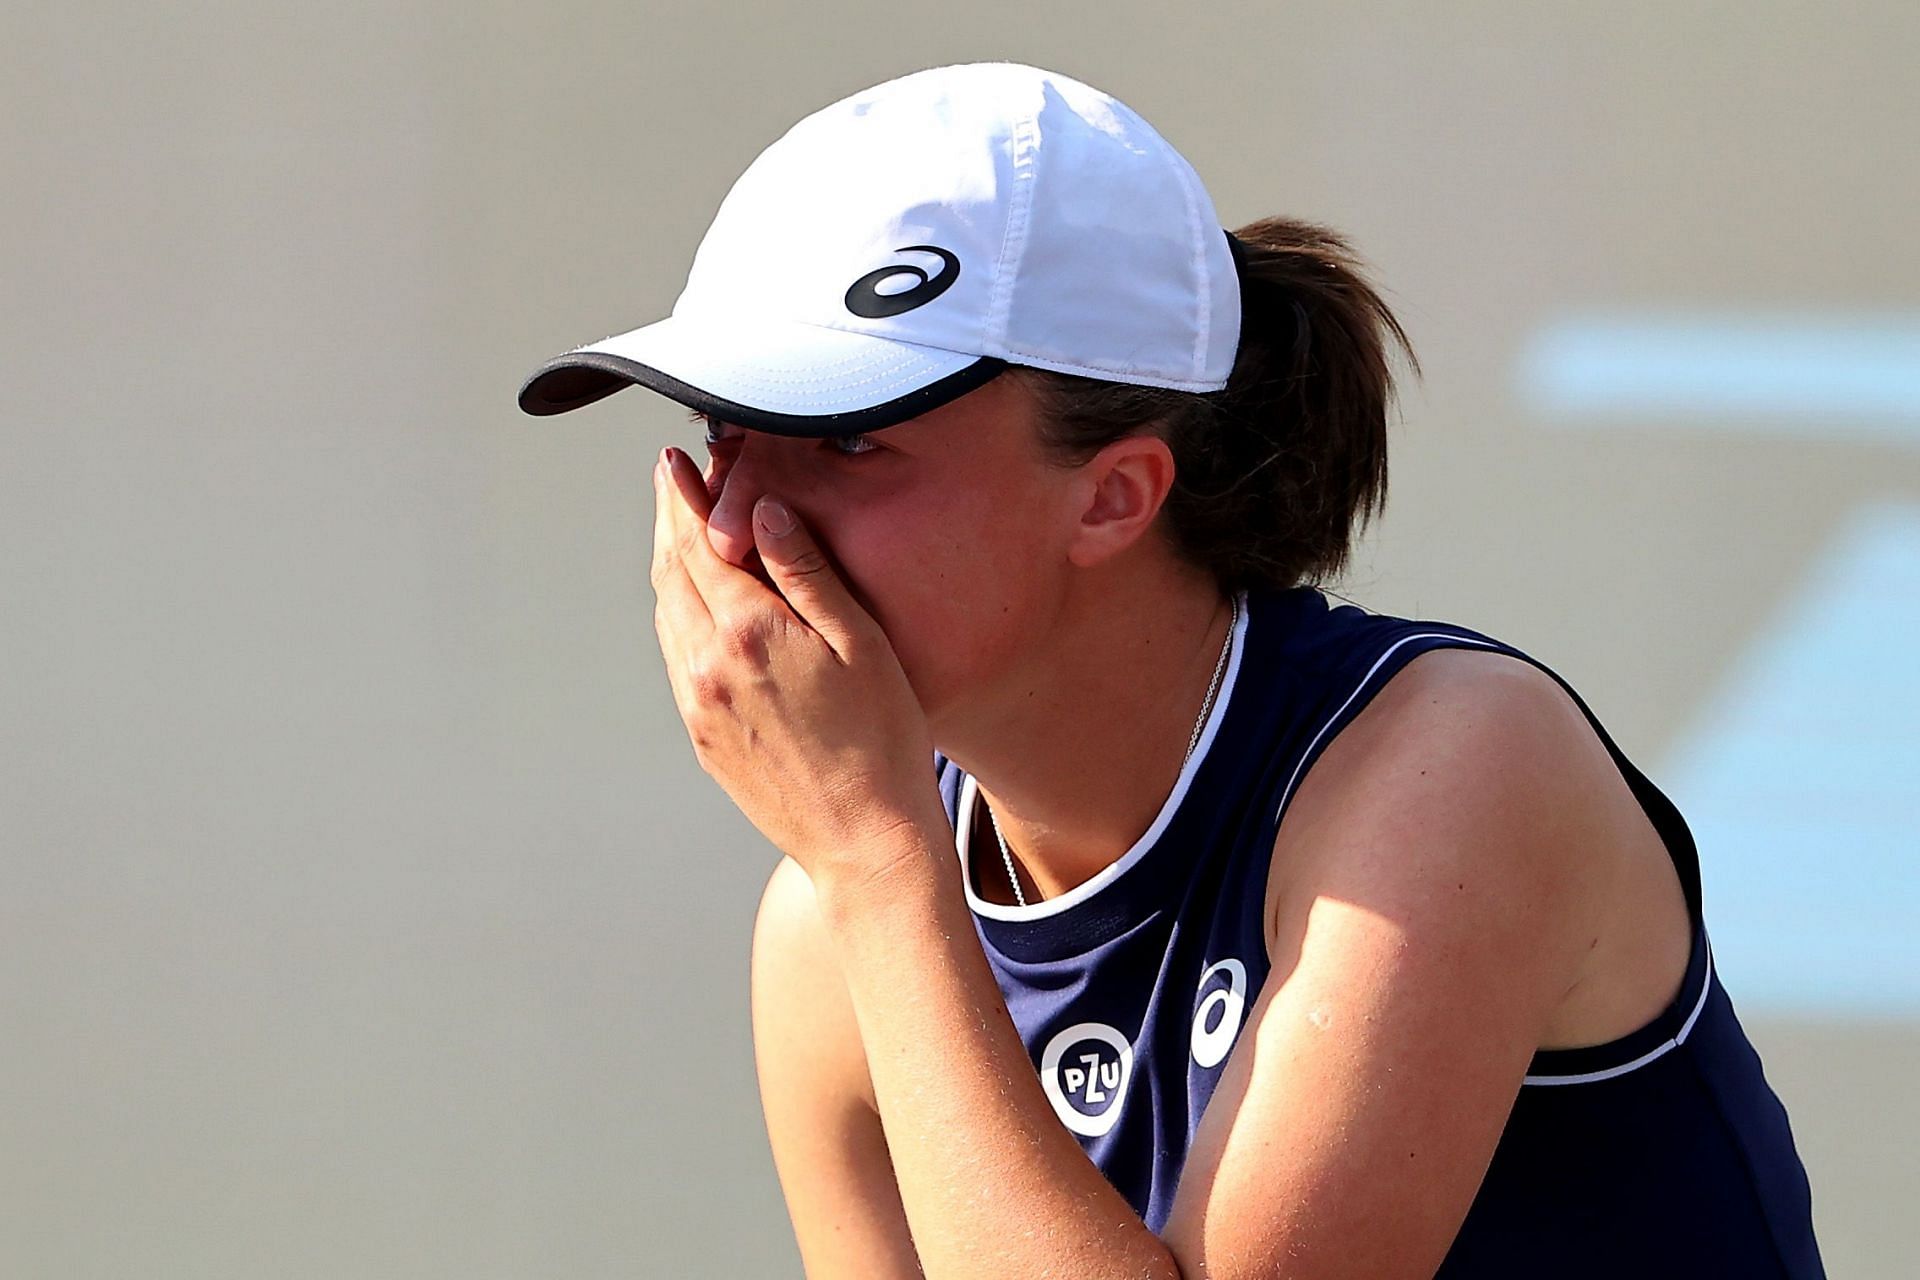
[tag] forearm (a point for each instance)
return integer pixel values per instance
(992, 1183)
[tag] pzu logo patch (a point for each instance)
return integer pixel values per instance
(1084, 1071)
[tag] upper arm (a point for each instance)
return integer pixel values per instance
(828, 1147)
(1432, 907)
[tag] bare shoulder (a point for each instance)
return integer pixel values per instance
(1480, 766)
(1471, 716)
(1432, 901)
(1492, 701)
(1471, 778)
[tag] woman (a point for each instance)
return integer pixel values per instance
(1232, 934)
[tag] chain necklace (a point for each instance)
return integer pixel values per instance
(1213, 687)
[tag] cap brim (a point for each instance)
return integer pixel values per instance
(782, 377)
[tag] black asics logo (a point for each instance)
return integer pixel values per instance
(864, 298)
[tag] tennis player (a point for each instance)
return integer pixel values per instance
(1144, 913)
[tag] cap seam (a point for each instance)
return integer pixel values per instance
(1013, 242)
(1197, 231)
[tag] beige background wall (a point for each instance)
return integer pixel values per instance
(362, 911)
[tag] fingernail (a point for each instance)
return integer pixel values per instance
(774, 517)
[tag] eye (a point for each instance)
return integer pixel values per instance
(717, 431)
(851, 446)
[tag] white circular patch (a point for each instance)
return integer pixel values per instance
(1088, 1087)
(1217, 1021)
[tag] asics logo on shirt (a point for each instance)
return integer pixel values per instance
(1222, 1007)
(866, 300)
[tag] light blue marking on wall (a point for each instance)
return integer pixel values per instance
(1814, 376)
(1801, 781)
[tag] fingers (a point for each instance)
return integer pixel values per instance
(804, 575)
(688, 480)
(702, 598)
(719, 583)
(680, 607)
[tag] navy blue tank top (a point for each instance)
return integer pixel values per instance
(1662, 1153)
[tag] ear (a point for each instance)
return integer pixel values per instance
(1119, 491)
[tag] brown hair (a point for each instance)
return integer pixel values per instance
(1275, 474)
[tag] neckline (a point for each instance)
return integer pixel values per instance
(969, 805)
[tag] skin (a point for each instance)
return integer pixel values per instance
(1460, 880)
(1006, 628)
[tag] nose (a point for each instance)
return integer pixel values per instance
(736, 484)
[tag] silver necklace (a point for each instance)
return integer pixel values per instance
(1213, 687)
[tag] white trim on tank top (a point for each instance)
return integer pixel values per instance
(1658, 1051)
(969, 794)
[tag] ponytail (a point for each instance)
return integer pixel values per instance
(1276, 474)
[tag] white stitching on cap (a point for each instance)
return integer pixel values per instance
(883, 379)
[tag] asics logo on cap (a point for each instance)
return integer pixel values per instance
(865, 300)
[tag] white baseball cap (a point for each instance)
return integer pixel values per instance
(899, 248)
